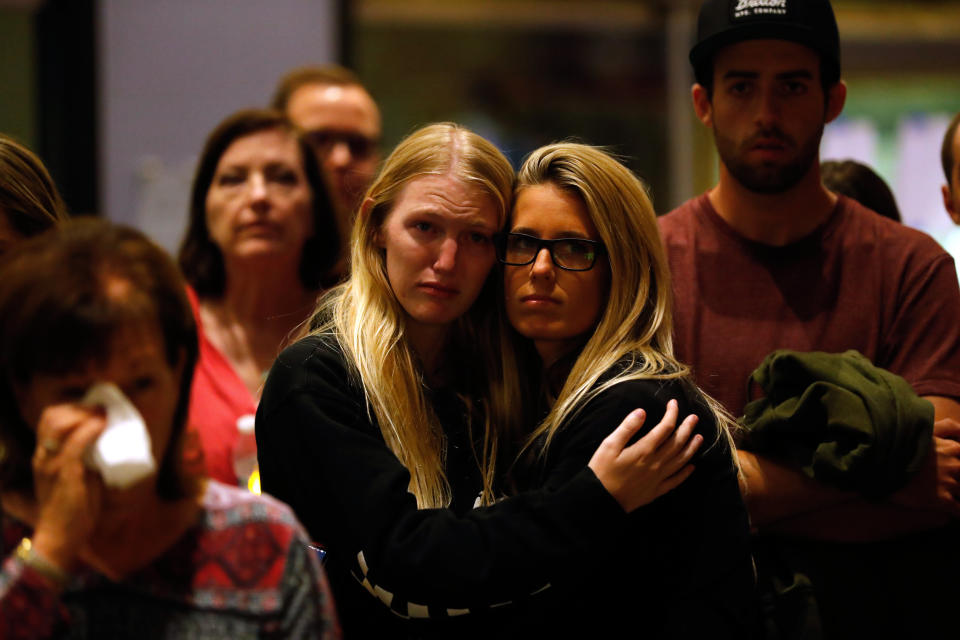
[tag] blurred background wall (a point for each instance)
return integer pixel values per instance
(169, 71)
(117, 95)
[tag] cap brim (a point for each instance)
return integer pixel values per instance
(705, 49)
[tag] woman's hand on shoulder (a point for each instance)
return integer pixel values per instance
(638, 474)
(67, 492)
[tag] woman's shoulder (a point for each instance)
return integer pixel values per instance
(225, 507)
(315, 360)
(240, 527)
(237, 557)
(311, 383)
(618, 392)
(623, 381)
(324, 348)
(247, 532)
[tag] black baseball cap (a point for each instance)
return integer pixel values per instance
(725, 22)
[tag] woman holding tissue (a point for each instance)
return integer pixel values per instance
(99, 342)
(260, 245)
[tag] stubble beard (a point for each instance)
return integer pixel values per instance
(768, 177)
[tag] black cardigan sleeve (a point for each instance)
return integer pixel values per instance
(686, 555)
(322, 453)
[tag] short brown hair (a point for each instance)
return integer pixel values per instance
(28, 195)
(200, 257)
(57, 314)
(946, 148)
(315, 74)
(858, 181)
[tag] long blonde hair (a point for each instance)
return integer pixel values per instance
(636, 324)
(363, 314)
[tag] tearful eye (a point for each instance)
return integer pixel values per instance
(142, 383)
(479, 238)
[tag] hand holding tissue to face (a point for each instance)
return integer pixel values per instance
(122, 454)
(73, 441)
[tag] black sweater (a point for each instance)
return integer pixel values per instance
(322, 453)
(676, 568)
(679, 567)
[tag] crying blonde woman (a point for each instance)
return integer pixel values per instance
(383, 426)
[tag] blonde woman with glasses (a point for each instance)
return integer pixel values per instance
(383, 426)
(588, 291)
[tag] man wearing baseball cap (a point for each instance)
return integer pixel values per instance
(770, 259)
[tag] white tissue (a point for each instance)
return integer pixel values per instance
(122, 454)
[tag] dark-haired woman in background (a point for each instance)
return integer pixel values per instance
(29, 201)
(163, 556)
(261, 244)
(858, 181)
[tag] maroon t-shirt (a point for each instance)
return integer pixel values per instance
(860, 281)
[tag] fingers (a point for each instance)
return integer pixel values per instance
(674, 481)
(66, 432)
(682, 436)
(79, 440)
(67, 493)
(683, 456)
(937, 484)
(664, 439)
(947, 428)
(625, 430)
(658, 462)
(659, 434)
(948, 466)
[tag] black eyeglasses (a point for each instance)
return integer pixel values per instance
(572, 254)
(324, 140)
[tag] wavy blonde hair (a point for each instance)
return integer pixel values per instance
(363, 314)
(636, 323)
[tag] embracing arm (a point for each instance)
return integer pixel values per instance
(320, 453)
(638, 474)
